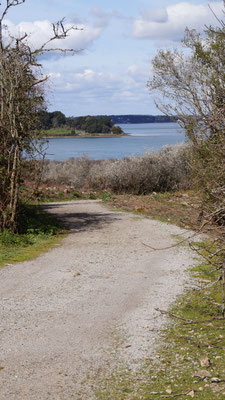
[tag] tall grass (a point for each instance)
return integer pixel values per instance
(161, 171)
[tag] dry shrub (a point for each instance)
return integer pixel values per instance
(152, 171)
(160, 171)
(72, 172)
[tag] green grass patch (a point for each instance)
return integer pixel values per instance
(38, 232)
(63, 131)
(184, 350)
(67, 131)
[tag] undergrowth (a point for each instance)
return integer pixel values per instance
(37, 232)
(164, 170)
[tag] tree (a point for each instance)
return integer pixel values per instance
(116, 130)
(21, 100)
(193, 87)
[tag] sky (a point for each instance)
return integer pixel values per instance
(116, 41)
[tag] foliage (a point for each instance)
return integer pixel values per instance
(38, 231)
(47, 118)
(89, 124)
(50, 120)
(94, 124)
(193, 88)
(116, 130)
(21, 100)
(141, 119)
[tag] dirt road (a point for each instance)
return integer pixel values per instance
(86, 305)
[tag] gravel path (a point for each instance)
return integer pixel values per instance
(87, 304)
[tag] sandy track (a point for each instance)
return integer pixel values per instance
(87, 304)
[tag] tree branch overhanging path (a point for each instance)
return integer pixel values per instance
(87, 305)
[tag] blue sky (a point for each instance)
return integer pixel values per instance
(118, 39)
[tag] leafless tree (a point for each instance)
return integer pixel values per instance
(192, 85)
(21, 98)
(193, 88)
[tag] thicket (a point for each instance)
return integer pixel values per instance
(50, 120)
(193, 87)
(94, 124)
(153, 171)
(89, 124)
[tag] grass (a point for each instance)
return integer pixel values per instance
(39, 232)
(183, 350)
(55, 192)
(66, 131)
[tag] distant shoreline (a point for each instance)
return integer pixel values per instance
(85, 136)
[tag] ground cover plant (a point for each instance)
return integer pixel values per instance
(38, 232)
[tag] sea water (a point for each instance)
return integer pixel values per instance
(142, 138)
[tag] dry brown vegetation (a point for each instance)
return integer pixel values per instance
(153, 171)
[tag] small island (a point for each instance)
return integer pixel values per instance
(54, 124)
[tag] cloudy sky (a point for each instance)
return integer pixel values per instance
(117, 42)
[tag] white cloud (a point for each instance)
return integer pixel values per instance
(170, 23)
(90, 84)
(40, 32)
(86, 90)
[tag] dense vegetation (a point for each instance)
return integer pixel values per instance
(103, 124)
(141, 119)
(192, 85)
(88, 124)
(53, 119)
(153, 171)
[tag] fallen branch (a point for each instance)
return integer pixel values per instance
(166, 396)
(200, 254)
(171, 395)
(198, 344)
(208, 285)
(173, 315)
(177, 244)
(189, 321)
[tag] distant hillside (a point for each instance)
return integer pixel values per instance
(98, 123)
(141, 119)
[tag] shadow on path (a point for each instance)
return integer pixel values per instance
(80, 221)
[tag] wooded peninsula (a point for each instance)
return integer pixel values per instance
(57, 124)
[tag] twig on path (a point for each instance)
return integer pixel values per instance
(177, 244)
